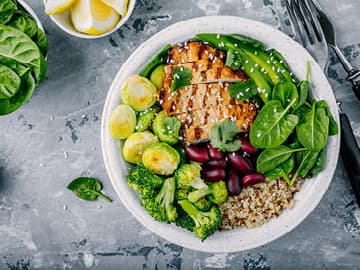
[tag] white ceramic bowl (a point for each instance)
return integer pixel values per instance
(31, 12)
(63, 21)
(239, 239)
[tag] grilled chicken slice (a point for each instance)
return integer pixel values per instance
(214, 75)
(193, 51)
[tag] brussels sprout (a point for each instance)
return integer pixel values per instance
(135, 145)
(139, 93)
(161, 158)
(146, 118)
(157, 77)
(122, 122)
(166, 128)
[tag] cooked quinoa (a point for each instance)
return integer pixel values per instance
(257, 204)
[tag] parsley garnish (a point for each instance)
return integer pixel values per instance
(181, 77)
(243, 90)
(222, 136)
(172, 126)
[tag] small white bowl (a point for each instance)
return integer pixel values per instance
(31, 12)
(63, 21)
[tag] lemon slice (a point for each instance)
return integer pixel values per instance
(121, 6)
(57, 6)
(93, 17)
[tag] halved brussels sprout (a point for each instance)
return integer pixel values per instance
(157, 77)
(135, 145)
(161, 158)
(122, 122)
(139, 93)
(146, 118)
(166, 128)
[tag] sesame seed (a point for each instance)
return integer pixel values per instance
(252, 70)
(218, 36)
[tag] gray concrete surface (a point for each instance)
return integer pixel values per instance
(56, 137)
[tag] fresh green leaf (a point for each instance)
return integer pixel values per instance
(181, 77)
(87, 189)
(19, 69)
(21, 97)
(271, 158)
(286, 92)
(333, 126)
(243, 90)
(222, 136)
(17, 46)
(159, 59)
(24, 22)
(172, 126)
(232, 60)
(41, 41)
(304, 88)
(289, 165)
(273, 125)
(9, 82)
(313, 128)
(7, 9)
(319, 165)
(248, 41)
(306, 161)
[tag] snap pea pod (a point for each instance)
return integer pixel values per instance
(159, 59)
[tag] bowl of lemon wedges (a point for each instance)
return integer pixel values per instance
(89, 18)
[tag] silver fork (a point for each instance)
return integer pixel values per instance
(308, 31)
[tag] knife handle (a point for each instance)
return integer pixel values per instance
(350, 154)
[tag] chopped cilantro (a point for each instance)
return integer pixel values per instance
(181, 77)
(243, 90)
(222, 136)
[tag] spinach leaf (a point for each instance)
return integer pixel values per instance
(243, 90)
(17, 46)
(172, 126)
(285, 91)
(181, 77)
(87, 189)
(273, 125)
(289, 165)
(7, 9)
(159, 59)
(304, 87)
(313, 128)
(333, 126)
(21, 97)
(271, 158)
(9, 82)
(319, 165)
(41, 41)
(306, 161)
(19, 69)
(222, 136)
(24, 22)
(282, 171)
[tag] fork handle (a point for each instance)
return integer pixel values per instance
(350, 154)
(354, 78)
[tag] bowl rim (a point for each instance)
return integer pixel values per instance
(75, 33)
(179, 236)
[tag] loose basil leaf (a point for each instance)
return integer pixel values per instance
(243, 90)
(333, 126)
(87, 189)
(285, 91)
(9, 82)
(222, 136)
(319, 165)
(313, 128)
(273, 125)
(172, 126)
(271, 158)
(181, 77)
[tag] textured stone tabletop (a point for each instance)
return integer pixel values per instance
(56, 137)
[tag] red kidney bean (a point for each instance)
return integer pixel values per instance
(214, 153)
(213, 174)
(252, 179)
(216, 163)
(246, 135)
(233, 182)
(198, 154)
(240, 163)
(247, 147)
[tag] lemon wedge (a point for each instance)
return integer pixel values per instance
(93, 17)
(57, 6)
(121, 6)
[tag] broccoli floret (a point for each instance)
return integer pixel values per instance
(181, 194)
(206, 223)
(216, 192)
(184, 220)
(188, 175)
(203, 204)
(144, 181)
